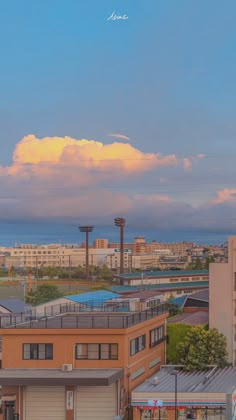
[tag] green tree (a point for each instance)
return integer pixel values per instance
(198, 264)
(176, 333)
(209, 260)
(202, 348)
(44, 293)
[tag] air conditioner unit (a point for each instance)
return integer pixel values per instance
(67, 368)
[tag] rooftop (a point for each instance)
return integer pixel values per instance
(212, 380)
(169, 273)
(196, 318)
(99, 296)
(202, 295)
(14, 305)
(82, 320)
(163, 287)
(143, 294)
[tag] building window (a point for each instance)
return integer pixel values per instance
(96, 351)
(37, 351)
(157, 335)
(137, 344)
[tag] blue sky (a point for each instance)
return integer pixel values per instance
(165, 77)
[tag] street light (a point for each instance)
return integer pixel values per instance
(120, 222)
(87, 230)
(175, 374)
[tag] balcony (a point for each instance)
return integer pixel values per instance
(83, 320)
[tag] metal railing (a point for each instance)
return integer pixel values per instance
(83, 320)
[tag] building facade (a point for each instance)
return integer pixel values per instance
(163, 277)
(222, 300)
(200, 395)
(79, 366)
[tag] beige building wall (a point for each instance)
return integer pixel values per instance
(101, 243)
(222, 299)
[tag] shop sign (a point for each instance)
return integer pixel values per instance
(69, 400)
(234, 406)
(155, 403)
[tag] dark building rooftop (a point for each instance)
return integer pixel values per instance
(157, 274)
(196, 318)
(83, 320)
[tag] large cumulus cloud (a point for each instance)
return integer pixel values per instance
(64, 178)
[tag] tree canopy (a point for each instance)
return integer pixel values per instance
(202, 348)
(44, 293)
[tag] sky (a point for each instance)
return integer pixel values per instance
(132, 117)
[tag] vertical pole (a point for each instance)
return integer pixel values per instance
(121, 248)
(37, 273)
(176, 409)
(69, 274)
(87, 255)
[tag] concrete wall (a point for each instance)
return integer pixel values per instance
(220, 302)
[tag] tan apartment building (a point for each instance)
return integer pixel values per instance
(79, 366)
(141, 246)
(222, 300)
(100, 243)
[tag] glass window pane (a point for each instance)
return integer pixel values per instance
(26, 350)
(93, 351)
(33, 351)
(82, 351)
(104, 351)
(114, 351)
(48, 351)
(41, 349)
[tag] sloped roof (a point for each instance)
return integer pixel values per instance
(179, 301)
(143, 294)
(212, 380)
(202, 295)
(164, 286)
(196, 318)
(168, 273)
(14, 305)
(94, 298)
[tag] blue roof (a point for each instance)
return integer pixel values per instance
(179, 301)
(163, 287)
(94, 298)
(169, 273)
(13, 305)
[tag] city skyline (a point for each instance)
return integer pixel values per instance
(132, 118)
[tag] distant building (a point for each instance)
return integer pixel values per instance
(163, 277)
(169, 290)
(100, 243)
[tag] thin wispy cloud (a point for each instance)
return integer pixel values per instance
(118, 136)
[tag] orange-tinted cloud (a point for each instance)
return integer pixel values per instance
(61, 177)
(188, 161)
(226, 195)
(88, 154)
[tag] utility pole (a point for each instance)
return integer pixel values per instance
(86, 230)
(120, 222)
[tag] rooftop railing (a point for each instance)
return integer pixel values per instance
(82, 320)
